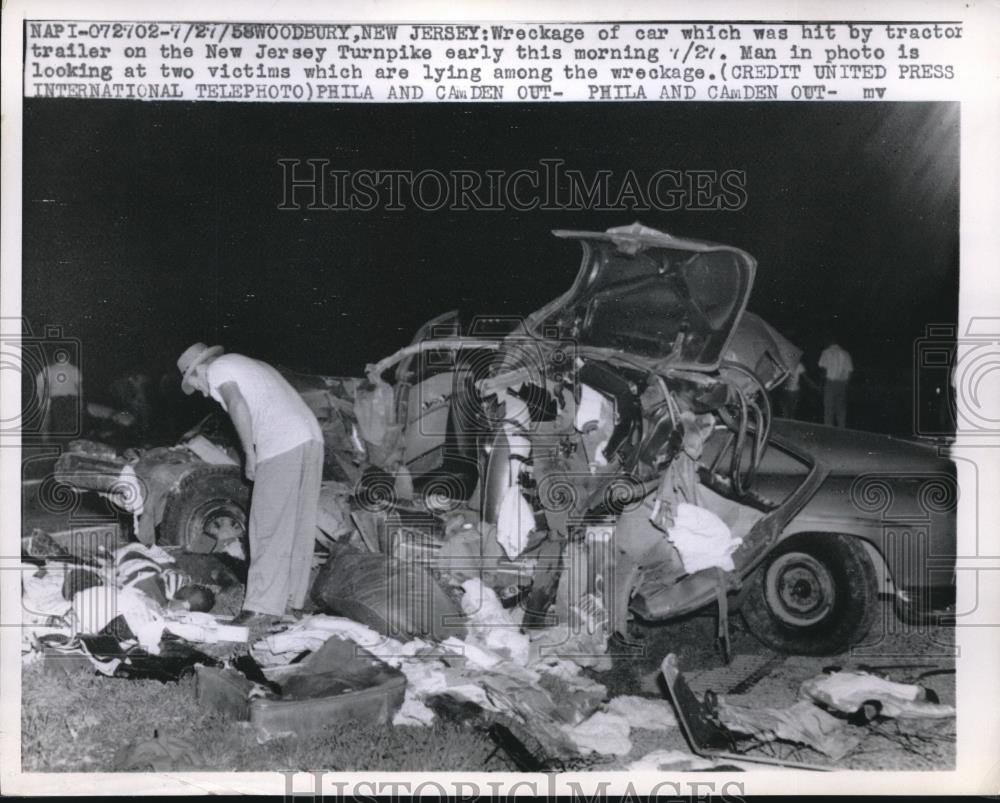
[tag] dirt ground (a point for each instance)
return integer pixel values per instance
(76, 721)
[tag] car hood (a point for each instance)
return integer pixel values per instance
(664, 301)
(852, 452)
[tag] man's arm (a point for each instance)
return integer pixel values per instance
(239, 412)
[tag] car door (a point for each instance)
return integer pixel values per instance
(425, 387)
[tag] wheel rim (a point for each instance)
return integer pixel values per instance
(212, 523)
(799, 589)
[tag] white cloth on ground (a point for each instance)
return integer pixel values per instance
(413, 712)
(644, 712)
(801, 723)
(490, 625)
(848, 691)
(311, 632)
(676, 760)
(602, 733)
(41, 591)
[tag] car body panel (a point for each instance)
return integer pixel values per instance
(668, 302)
(898, 495)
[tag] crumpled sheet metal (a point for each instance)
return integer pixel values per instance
(581, 630)
(375, 413)
(333, 514)
(159, 471)
(699, 722)
(849, 691)
(802, 723)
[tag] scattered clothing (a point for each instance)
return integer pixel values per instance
(311, 632)
(702, 539)
(671, 760)
(802, 723)
(515, 521)
(413, 712)
(603, 733)
(545, 697)
(644, 712)
(847, 692)
(490, 625)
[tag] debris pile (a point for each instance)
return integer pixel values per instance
(549, 697)
(829, 717)
(120, 610)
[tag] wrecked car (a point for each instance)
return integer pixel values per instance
(611, 457)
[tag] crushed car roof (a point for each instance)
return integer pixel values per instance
(636, 236)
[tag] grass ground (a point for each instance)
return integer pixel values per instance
(81, 722)
(77, 721)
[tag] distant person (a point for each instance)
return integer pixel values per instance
(59, 388)
(133, 393)
(283, 457)
(788, 400)
(837, 368)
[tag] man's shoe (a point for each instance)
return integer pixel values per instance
(252, 619)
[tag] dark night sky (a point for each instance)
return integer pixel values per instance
(150, 225)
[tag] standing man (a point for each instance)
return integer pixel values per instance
(59, 388)
(836, 365)
(283, 454)
(792, 390)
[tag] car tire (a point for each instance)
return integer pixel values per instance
(815, 594)
(208, 500)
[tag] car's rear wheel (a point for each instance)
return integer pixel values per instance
(208, 510)
(815, 594)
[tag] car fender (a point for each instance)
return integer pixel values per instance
(866, 531)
